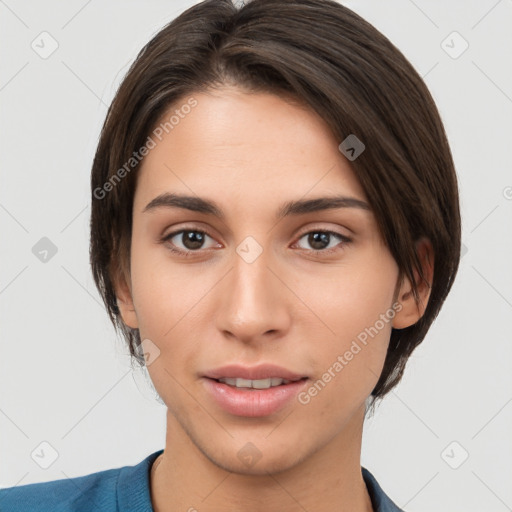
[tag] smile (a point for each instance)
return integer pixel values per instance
(254, 384)
(253, 398)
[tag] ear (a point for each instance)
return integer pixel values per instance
(411, 312)
(123, 291)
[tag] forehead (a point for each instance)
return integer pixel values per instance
(250, 147)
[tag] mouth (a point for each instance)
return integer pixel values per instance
(253, 391)
(256, 384)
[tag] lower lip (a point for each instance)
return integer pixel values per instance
(253, 402)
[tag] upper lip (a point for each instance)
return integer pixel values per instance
(262, 371)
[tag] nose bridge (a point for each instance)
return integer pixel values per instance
(253, 300)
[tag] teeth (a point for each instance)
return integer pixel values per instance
(256, 384)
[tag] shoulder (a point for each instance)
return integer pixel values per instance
(380, 500)
(104, 491)
(97, 489)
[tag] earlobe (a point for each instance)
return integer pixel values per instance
(410, 311)
(125, 303)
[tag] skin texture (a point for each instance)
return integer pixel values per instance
(292, 306)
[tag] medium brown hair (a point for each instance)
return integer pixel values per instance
(330, 59)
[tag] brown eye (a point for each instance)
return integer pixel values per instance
(190, 240)
(323, 241)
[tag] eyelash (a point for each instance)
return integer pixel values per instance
(344, 241)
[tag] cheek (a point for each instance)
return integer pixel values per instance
(170, 305)
(353, 311)
(352, 297)
(164, 296)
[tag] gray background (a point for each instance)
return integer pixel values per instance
(65, 379)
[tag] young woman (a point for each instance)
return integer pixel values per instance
(275, 225)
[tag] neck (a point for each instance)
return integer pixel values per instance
(185, 478)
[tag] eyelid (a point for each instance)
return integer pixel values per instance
(322, 229)
(166, 238)
(340, 246)
(319, 227)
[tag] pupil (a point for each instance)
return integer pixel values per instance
(192, 239)
(319, 238)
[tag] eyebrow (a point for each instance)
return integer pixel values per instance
(290, 208)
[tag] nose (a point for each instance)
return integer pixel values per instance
(254, 303)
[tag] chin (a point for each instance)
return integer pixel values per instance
(250, 461)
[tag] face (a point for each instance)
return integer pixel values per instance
(249, 282)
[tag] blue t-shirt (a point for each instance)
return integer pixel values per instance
(124, 489)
